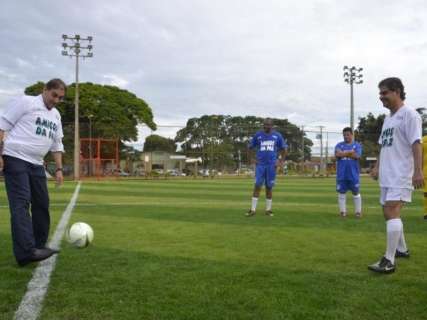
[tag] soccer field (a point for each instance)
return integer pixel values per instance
(183, 249)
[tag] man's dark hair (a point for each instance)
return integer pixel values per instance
(347, 129)
(56, 84)
(393, 84)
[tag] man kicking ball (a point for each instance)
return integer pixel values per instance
(399, 168)
(348, 154)
(267, 144)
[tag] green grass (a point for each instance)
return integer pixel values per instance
(184, 250)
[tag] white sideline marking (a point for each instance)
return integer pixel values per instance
(31, 303)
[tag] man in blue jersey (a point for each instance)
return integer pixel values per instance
(348, 154)
(267, 144)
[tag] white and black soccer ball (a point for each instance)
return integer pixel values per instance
(80, 235)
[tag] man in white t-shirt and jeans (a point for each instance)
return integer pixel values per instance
(34, 128)
(399, 168)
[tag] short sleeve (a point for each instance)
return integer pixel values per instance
(359, 149)
(254, 142)
(413, 128)
(13, 111)
(57, 145)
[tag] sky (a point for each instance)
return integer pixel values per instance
(187, 58)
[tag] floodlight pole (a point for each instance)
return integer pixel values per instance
(74, 50)
(352, 75)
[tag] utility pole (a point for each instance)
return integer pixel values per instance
(321, 149)
(352, 75)
(302, 149)
(72, 48)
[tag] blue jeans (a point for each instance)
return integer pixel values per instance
(26, 187)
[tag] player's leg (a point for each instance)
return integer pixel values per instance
(392, 201)
(342, 189)
(425, 202)
(39, 206)
(269, 184)
(18, 192)
(259, 181)
(357, 199)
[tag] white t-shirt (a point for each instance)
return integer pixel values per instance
(398, 134)
(33, 129)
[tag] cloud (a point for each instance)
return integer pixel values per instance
(239, 57)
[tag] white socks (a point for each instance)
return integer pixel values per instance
(254, 203)
(401, 246)
(394, 233)
(357, 199)
(268, 204)
(341, 202)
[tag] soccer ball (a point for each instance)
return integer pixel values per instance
(80, 235)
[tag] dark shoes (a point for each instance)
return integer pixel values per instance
(269, 213)
(400, 254)
(383, 266)
(38, 255)
(250, 213)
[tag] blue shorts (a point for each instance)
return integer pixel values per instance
(265, 175)
(345, 185)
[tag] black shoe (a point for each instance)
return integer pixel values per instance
(382, 266)
(400, 254)
(269, 213)
(37, 255)
(425, 217)
(250, 213)
(52, 249)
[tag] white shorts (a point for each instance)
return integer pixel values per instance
(395, 194)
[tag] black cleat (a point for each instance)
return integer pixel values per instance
(269, 213)
(37, 255)
(425, 217)
(250, 213)
(382, 266)
(343, 214)
(400, 254)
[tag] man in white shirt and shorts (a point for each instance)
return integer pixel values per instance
(399, 168)
(34, 128)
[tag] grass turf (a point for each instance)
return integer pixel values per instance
(184, 250)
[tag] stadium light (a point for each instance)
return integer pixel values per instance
(75, 50)
(352, 75)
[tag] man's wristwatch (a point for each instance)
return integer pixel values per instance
(58, 169)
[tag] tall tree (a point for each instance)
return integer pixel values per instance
(367, 133)
(158, 143)
(114, 112)
(222, 140)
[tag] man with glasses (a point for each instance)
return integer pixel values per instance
(34, 128)
(399, 168)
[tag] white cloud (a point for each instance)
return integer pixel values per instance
(187, 58)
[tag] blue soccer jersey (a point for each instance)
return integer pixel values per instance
(267, 146)
(348, 168)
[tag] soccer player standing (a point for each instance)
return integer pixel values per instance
(34, 128)
(399, 167)
(267, 143)
(348, 154)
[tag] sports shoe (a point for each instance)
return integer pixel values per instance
(269, 213)
(37, 255)
(343, 214)
(425, 217)
(382, 266)
(358, 214)
(250, 213)
(400, 254)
